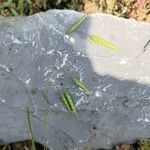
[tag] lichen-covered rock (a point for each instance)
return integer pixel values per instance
(37, 61)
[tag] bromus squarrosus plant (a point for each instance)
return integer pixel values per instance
(79, 83)
(67, 100)
(76, 25)
(94, 38)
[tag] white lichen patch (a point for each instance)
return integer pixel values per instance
(46, 72)
(33, 43)
(81, 101)
(69, 39)
(72, 40)
(78, 53)
(105, 88)
(60, 64)
(65, 58)
(17, 41)
(2, 100)
(5, 67)
(60, 53)
(39, 68)
(55, 29)
(146, 119)
(28, 81)
(145, 116)
(50, 52)
(98, 93)
(59, 75)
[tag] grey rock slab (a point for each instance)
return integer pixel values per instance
(37, 61)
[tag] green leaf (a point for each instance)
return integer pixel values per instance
(76, 25)
(30, 128)
(81, 85)
(100, 41)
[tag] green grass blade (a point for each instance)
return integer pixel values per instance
(100, 41)
(31, 11)
(26, 148)
(65, 102)
(76, 25)
(70, 101)
(45, 4)
(14, 12)
(20, 7)
(29, 2)
(57, 2)
(45, 114)
(81, 85)
(30, 128)
(45, 95)
(45, 146)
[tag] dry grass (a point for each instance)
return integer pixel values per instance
(137, 9)
(22, 145)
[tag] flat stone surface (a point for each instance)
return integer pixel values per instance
(37, 61)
